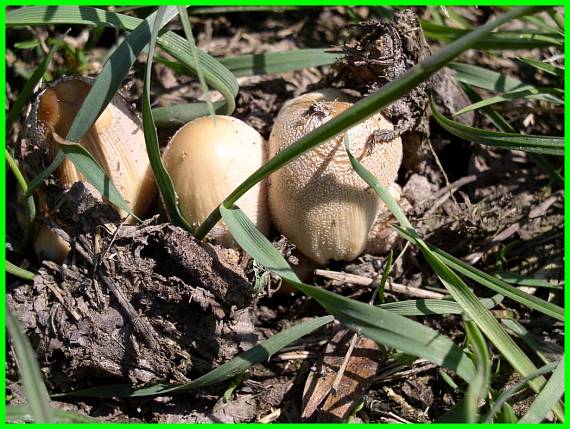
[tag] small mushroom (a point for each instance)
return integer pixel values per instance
(116, 139)
(318, 201)
(207, 159)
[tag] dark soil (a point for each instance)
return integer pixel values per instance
(150, 304)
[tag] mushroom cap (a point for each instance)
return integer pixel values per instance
(207, 159)
(318, 201)
(116, 139)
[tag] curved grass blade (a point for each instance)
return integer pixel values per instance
(479, 386)
(556, 93)
(526, 39)
(541, 65)
(23, 414)
(501, 123)
(19, 272)
(38, 180)
(163, 181)
(548, 145)
(380, 325)
(363, 109)
(228, 370)
(427, 307)
(460, 292)
(179, 114)
(36, 392)
(190, 37)
(31, 84)
(215, 74)
(279, 62)
(30, 204)
(494, 283)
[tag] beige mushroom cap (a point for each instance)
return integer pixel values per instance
(116, 139)
(207, 160)
(318, 201)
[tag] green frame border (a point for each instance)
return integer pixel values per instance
(251, 3)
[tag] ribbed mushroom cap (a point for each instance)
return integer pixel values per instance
(207, 160)
(318, 201)
(116, 139)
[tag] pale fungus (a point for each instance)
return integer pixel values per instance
(318, 201)
(207, 159)
(116, 139)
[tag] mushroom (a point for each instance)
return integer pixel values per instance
(318, 201)
(207, 159)
(116, 139)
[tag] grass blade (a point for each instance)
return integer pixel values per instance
(427, 307)
(548, 145)
(179, 114)
(279, 62)
(190, 37)
(478, 388)
(380, 325)
(364, 109)
(545, 67)
(163, 181)
(511, 391)
(461, 292)
(526, 39)
(36, 392)
(513, 95)
(19, 272)
(23, 414)
(39, 179)
(31, 83)
(216, 75)
(228, 370)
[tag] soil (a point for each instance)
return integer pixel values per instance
(148, 303)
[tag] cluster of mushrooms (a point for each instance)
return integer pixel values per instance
(317, 201)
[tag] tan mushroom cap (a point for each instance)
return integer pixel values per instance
(207, 160)
(116, 139)
(318, 201)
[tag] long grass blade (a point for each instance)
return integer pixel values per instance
(23, 414)
(179, 114)
(19, 272)
(363, 109)
(163, 181)
(36, 392)
(479, 386)
(512, 390)
(30, 204)
(548, 145)
(428, 307)
(380, 325)
(545, 67)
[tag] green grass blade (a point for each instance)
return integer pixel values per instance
(364, 109)
(461, 292)
(427, 307)
(380, 325)
(31, 83)
(278, 62)
(216, 75)
(511, 391)
(520, 280)
(30, 204)
(36, 392)
(192, 43)
(163, 181)
(548, 145)
(525, 39)
(494, 283)
(179, 114)
(545, 67)
(479, 386)
(556, 93)
(228, 370)
(19, 272)
(545, 351)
